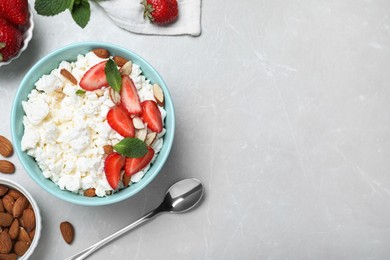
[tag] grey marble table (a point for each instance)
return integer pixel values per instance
(282, 111)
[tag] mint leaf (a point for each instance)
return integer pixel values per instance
(131, 147)
(113, 75)
(80, 92)
(81, 12)
(52, 7)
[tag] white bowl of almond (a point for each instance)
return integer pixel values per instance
(20, 221)
(92, 123)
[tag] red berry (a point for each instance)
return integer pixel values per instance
(10, 40)
(120, 121)
(15, 11)
(95, 77)
(134, 165)
(129, 96)
(160, 11)
(151, 115)
(113, 165)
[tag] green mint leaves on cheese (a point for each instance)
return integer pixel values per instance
(131, 147)
(113, 75)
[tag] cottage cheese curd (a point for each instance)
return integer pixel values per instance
(65, 131)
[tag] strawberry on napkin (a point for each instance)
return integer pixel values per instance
(129, 15)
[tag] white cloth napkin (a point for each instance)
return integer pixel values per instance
(128, 14)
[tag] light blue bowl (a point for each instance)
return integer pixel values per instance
(50, 62)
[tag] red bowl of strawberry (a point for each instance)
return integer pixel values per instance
(16, 29)
(108, 127)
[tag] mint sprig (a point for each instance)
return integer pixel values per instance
(131, 147)
(79, 9)
(113, 75)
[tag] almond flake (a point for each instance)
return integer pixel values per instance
(141, 133)
(150, 137)
(66, 73)
(126, 68)
(158, 94)
(138, 123)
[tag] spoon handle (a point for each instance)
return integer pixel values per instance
(86, 252)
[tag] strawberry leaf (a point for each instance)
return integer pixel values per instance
(52, 7)
(113, 75)
(131, 147)
(81, 12)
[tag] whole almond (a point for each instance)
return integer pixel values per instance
(28, 219)
(23, 235)
(6, 219)
(8, 256)
(120, 61)
(5, 243)
(6, 148)
(14, 229)
(7, 167)
(67, 231)
(101, 53)
(21, 247)
(108, 149)
(8, 203)
(19, 206)
(90, 192)
(15, 193)
(68, 75)
(31, 234)
(3, 190)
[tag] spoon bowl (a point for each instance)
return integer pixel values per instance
(180, 197)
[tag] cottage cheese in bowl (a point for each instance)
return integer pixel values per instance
(66, 128)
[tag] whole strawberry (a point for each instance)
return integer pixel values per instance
(160, 11)
(15, 11)
(11, 40)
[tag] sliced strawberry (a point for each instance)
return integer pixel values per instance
(112, 167)
(95, 77)
(120, 121)
(151, 115)
(134, 165)
(129, 96)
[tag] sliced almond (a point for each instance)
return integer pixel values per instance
(91, 192)
(126, 180)
(101, 53)
(59, 96)
(138, 123)
(120, 61)
(99, 92)
(150, 137)
(7, 167)
(6, 148)
(141, 133)
(67, 231)
(126, 68)
(115, 96)
(108, 149)
(158, 94)
(68, 75)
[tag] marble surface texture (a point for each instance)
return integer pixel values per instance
(282, 112)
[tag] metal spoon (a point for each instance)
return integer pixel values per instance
(181, 196)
